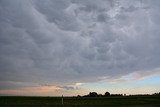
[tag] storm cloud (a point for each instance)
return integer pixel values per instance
(70, 41)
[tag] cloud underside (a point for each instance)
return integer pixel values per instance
(69, 41)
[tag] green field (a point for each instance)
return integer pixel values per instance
(111, 101)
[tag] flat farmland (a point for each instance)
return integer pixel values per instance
(111, 101)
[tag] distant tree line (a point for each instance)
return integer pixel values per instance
(94, 94)
(156, 94)
(106, 94)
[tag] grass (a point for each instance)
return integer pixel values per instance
(111, 101)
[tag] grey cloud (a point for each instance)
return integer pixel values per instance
(102, 18)
(88, 8)
(129, 9)
(54, 11)
(68, 87)
(9, 85)
(43, 42)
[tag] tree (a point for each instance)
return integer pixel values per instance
(107, 94)
(93, 94)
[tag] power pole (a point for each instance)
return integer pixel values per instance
(62, 99)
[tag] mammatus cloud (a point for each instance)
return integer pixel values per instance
(70, 41)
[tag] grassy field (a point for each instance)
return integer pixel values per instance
(111, 101)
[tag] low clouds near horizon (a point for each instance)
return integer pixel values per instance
(77, 41)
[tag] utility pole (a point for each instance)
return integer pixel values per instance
(62, 99)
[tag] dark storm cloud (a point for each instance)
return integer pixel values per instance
(68, 87)
(56, 13)
(63, 41)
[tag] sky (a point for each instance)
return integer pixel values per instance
(71, 47)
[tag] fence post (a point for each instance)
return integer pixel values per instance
(62, 99)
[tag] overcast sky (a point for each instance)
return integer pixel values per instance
(54, 47)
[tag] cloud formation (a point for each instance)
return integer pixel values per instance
(70, 41)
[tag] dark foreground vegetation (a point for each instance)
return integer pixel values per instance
(108, 101)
